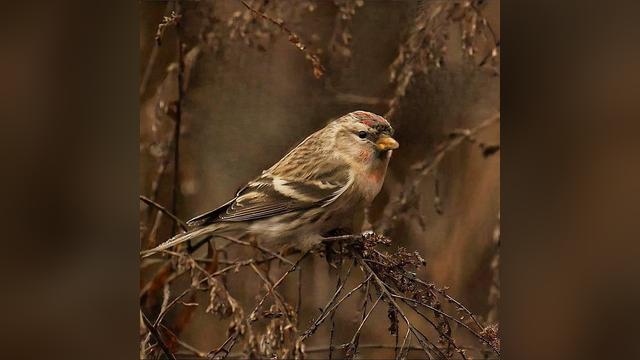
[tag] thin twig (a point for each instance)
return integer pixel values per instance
(164, 311)
(164, 210)
(299, 304)
(450, 299)
(353, 343)
(191, 348)
(463, 308)
(316, 349)
(480, 337)
(257, 246)
(252, 316)
(222, 351)
(152, 329)
(318, 69)
(178, 125)
(410, 191)
(325, 312)
(418, 334)
(339, 285)
(152, 59)
(404, 341)
(451, 342)
(270, 290)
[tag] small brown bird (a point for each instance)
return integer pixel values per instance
(316, 188)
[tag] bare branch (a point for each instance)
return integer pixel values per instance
(318, 69)
(410, 192)
(152, 329)
(154, 204)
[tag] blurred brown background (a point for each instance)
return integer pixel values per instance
(250, 95)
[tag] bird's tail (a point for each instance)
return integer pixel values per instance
(181, 238)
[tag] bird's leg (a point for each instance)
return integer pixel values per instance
(330, 253)
(192, 248)
(337, 232)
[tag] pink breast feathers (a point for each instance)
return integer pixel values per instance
(376, 175)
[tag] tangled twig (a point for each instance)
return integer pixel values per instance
(318, 69)
(406, 201)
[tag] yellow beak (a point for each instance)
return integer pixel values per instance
(386, 142)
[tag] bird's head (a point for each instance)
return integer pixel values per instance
(363, 137)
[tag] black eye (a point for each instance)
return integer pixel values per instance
(362, 134)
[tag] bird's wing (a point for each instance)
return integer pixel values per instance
(271, 195)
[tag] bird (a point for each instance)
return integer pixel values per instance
(316, 188)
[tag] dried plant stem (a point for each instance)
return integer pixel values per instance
(191, 348)
(440, 312)
(316, 349)
(428, 346)
(354, 340)
(463, 308)
(164, 311)
(451, 342)
(252, 316)
(154, 331)
(404, 341)
(155, 189)
(257, 246)
(318, 69)
(162, 209)
(327, 310)
(299, 305)
(494, 37)
(451, 300)
(410, 191)
(339, 286)
(178, 125)
(152, 59)
(270, 290)
(224, 350)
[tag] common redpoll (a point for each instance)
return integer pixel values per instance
(314, 189)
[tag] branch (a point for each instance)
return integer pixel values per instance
(222, 351)
(152, 329)
(323, 315)
(480, 337)
(352, 344)
(257, 246)
(154, 204)
(318, 69)
(410, 192)
(270, 290)
(152, 58)
(417, 333)
(176, 132)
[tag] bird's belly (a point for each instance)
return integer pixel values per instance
(302, 229)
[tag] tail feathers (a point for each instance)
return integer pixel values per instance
(179, 239)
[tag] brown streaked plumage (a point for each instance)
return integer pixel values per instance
(315, 188)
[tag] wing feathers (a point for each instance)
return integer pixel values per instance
(271, 195)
